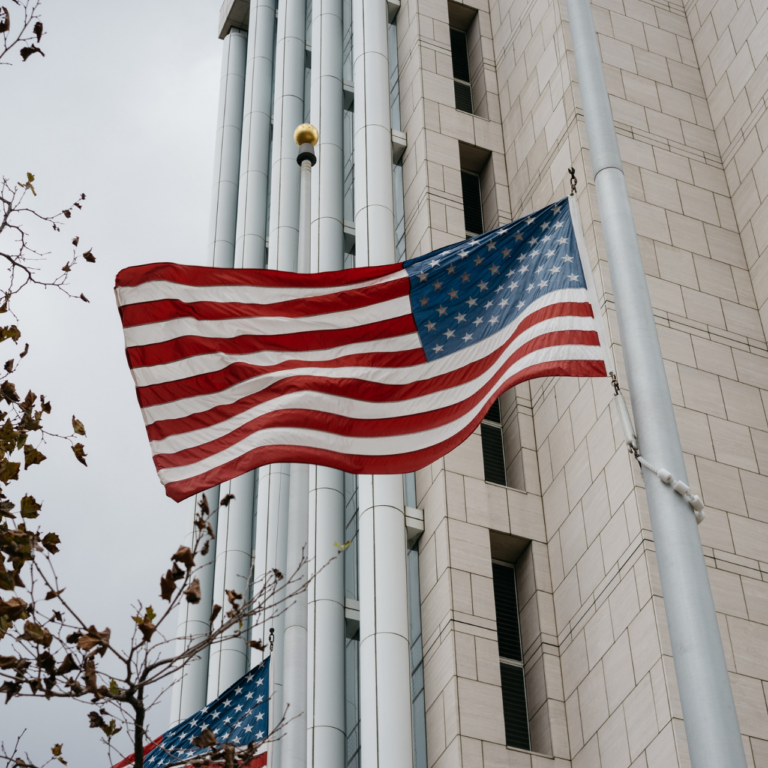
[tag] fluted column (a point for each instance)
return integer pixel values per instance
(250, 247)
(327, 116)
(294, 749)
(385, 701)
(290, 57)
(385, 674)
(190, 687)
(234, 535)
(270, 552)
(374, 200)
(325, 622)
(326, 743)
(226, 164)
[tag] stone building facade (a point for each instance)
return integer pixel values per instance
(688, 84)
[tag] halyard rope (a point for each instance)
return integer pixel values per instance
(630, 438)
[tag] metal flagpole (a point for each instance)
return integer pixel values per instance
(294, 751)
(711, 725)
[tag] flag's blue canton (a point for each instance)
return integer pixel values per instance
(239, 716)
(462, 294)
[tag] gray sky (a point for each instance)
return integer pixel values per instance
(123, 108)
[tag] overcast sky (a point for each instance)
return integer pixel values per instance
(123, 108)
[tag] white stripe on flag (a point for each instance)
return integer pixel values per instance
(370, 446)
(391, 376)
(216, 361)
(142, 335)
(159, 290)
(361, 409)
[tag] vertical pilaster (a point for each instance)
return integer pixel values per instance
(385, 673)
(226, 163)
(385, 701)
(325, 621)
(250, 247)
(190, 687)
(294, 750)
(325, 667)
(270, 552)
(327, 115)
(374, 201)
(234, 533)
(290, 58)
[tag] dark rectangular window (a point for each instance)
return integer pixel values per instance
(493, 446)
(460, 58)
(511, 657)
(473, 205)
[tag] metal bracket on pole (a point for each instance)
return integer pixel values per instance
(574, 180)
(630, 438)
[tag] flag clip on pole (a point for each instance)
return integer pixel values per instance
(630, 438)
(711, 725)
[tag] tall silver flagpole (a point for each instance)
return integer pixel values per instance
(294, 751)
(711, 725)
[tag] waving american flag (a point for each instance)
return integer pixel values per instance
(373, 370)
(239, 717)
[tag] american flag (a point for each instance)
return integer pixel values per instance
(239, 716)
(374, 370)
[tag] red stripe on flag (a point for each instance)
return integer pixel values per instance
(344, 387)
(268, 278)
(192, 346)
(172, 309)
(393, 464)
(130, 760)
(258, 762)
(212, 383)
(218, 381)
(341, 425)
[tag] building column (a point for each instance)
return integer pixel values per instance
(385, 671)
(190, 687)
(326, 726)
(327, 114)
(290, 59)
(294, 750)
(385, 674)
(234, 535)
(226, 164)
(250, 246)
(374, 198)
(270, 552)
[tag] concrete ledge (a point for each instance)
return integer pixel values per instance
(399, 143)
(414, 524)
(351, 617)
(349, 235)
(349, 93)
(233, 13)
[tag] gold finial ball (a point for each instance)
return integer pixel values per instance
(306, 134)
